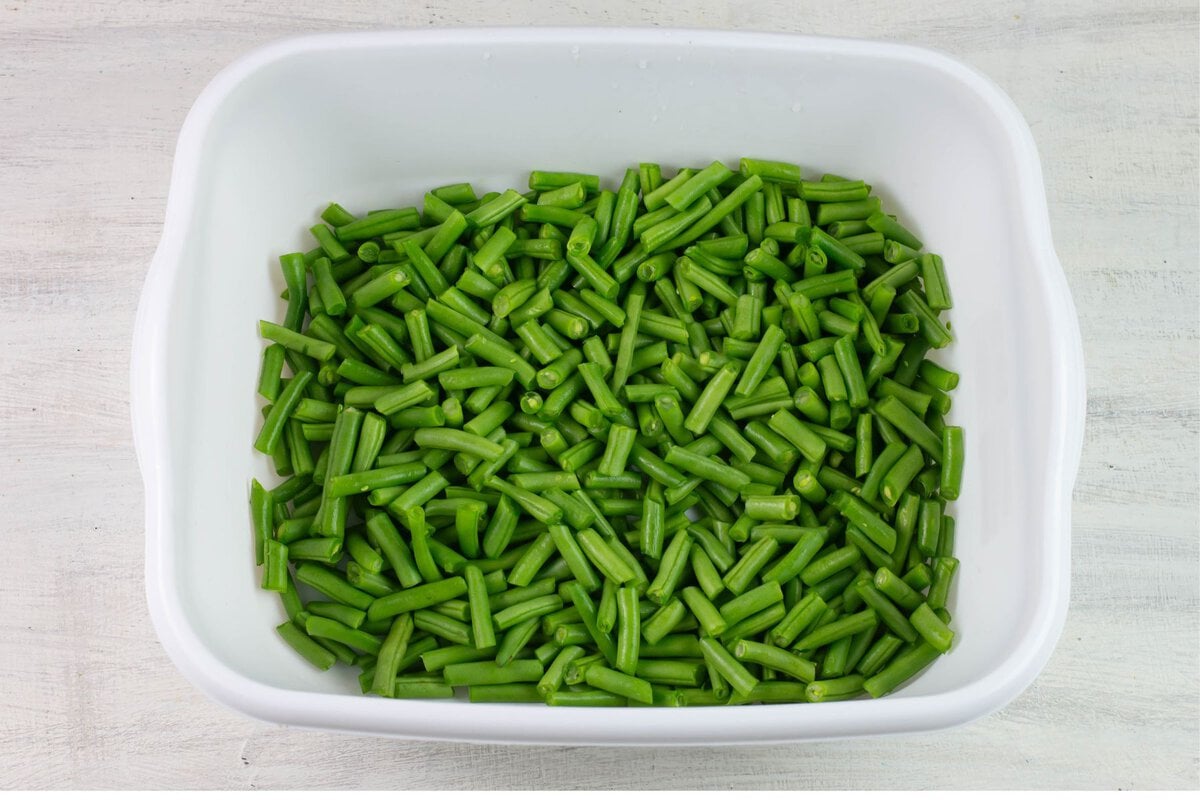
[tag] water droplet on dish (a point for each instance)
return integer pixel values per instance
(575, 50)
(616, 85)
(797, 108)
(487, 56)
(654, 118)
(642, 64)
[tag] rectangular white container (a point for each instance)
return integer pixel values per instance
(373, 119)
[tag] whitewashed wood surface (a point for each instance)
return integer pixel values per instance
(92, 95)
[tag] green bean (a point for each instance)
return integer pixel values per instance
(706, 575)
(862, 516)
(889, 614)
(275, 560)
(773, 171)
(482, 632)
(368, 480)
(269, 374)
(393, 650)
(307, 647)
(754, 559)
(418, 597)
(657, 626)
(719, 211)
(514, 641)
(901, 474)
(594, 698)
(944, 568)
(552, 679)
(329, 629)
(755, 624)
(830, 564)
(879, 654)
(831, 632)
(273, 426)
(798, 433)
(929, 526)
(383, 534)
(721, 661)
(504, 693)
(487, 673)
(710, 399)
(332, 585)
(775, 658)
(901, 668)
(671, 568)
(709, 618)
(950, 482)
(629, 631)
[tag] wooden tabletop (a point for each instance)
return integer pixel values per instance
(92, 96)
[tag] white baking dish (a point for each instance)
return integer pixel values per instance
(372, 119)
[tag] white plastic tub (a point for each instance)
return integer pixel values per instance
(372, 119)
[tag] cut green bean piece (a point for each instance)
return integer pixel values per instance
(723, 662)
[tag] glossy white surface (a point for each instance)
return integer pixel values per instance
(254, 161)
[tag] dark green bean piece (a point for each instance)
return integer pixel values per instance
(901, 668)
(671, 568)
(950, 482)
(383, 534)
(771, 171)
(778, 508)
(832, 631)
(487, 673)
(552, 679)
(418, 597)
(273, 426)
(629, 630)
(893, 230)
(709, 618)
(929, 527)
(723, 662)
(657, 626)
(775, 658)
(592, 698)
(897, 590)
(753, 560)
(829, 565)
(721, 210)
(307, 647)
(944, 568)
(864, 517)
(834, 190)
(439, 658)
(933, 276)
(798, 433)
(889, 614)
(793, 563)
(897, 479)
(482, 632)
(751, 602)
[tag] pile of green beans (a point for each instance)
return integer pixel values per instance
(673, 444)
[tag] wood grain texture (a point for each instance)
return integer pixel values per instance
(91, 99)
